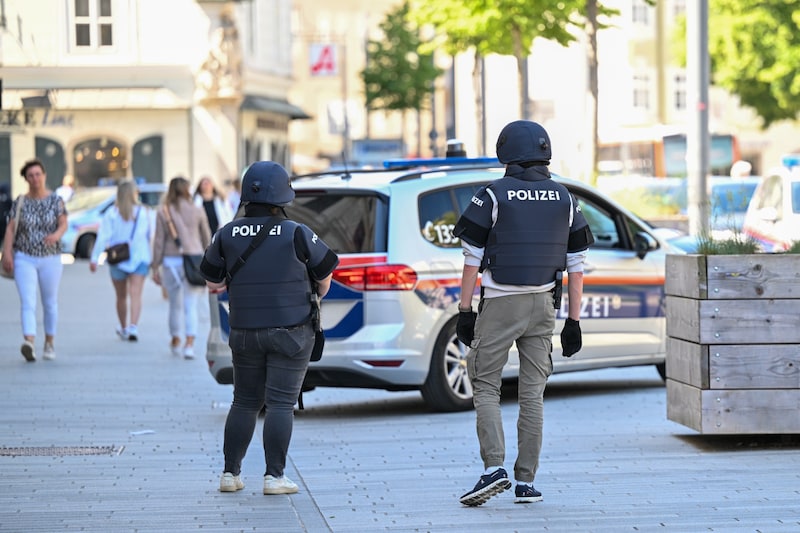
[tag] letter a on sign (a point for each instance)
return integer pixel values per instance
(323, 60)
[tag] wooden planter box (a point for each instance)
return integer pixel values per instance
(733, 342)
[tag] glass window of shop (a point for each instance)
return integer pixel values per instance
(98, 158)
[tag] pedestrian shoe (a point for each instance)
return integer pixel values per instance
(176, 349)
(133, 333)
(526, 494)
(230, 483)
(279, 485)
(49, 352)
(28, 351)
(488, 485)
(122, 333)
(188, 352)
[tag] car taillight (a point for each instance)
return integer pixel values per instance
(377, 277)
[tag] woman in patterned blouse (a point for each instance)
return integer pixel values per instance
(33, 253)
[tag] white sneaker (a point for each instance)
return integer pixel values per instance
(188, 352)
(279, 485)
(28, 351)
(122, 333)
(230, 483)
(176, 350)
(49, 352)
(132, 333)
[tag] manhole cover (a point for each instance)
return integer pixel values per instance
(60, 451)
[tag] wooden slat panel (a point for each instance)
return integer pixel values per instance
(746, 321)
(753, 276)
(683, 318)
(684, 404)
(751, 411)
(686, 276)
(751, 366)
(687, 362)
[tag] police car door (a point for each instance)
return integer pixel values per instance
(622, 311)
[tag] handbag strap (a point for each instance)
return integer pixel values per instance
(135, 221)
(172, 229)
(260, 237)
(20, 203)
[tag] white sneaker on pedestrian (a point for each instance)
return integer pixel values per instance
(279, 485)
(49, 352)
(28, 351)
(230, 483)
(188, 352)
(132, 333)
(122, 333)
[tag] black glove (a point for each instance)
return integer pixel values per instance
(465, 328)
(571, 337)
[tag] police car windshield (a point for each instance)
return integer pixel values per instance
(348, 223)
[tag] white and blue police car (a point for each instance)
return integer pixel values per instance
(390, 315)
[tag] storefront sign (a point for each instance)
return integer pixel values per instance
(27, 117)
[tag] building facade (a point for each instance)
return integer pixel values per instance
(144, 88)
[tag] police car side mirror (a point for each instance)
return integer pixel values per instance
(644, 242)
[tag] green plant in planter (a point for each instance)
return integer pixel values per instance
(736, 245)
(794, 249)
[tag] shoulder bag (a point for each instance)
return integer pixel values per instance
(20, 201)
(118, 253)
(191, 262)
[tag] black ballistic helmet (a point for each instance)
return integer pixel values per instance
(523, 141)
(266, 182)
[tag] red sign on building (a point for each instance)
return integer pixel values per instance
(323, 60)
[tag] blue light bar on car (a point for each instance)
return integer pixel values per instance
(791, 160)
(439, 161)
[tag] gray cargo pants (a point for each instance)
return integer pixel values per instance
(528, 319)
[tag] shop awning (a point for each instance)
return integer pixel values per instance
(274, 105)
(94, 98)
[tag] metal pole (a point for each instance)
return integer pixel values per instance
(345, 119)
(697, 137)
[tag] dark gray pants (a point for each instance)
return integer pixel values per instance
(269, 366)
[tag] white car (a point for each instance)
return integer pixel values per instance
(390, 315)
(85, 212)
(773, 216)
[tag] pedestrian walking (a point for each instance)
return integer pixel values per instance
(126, 227)
(181, 228)
(272, 267)
(213, 203)
(521, 232)
(32, 251)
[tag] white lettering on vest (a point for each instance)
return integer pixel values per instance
(535, 195)
(475, 200)
(247, 230)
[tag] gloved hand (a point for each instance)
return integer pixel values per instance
(571, 337)
(465, 328)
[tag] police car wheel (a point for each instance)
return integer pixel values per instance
(447, 387)
(83, 250)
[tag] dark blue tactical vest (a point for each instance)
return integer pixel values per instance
(273, 288)
(528, 243)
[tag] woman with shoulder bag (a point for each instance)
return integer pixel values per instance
(32, 251)
(181, 230)
(124, 235)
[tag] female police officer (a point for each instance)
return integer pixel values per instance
(271, 337)
(522, 231)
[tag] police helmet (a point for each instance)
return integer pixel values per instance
(523, 141)
(266, 182)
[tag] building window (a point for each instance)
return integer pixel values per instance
(641, 92)
(92, 24)
(640, 12)
(680, 91)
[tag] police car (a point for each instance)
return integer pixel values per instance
(390, 315)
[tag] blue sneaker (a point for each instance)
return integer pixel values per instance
(488, 485)
(526, 494)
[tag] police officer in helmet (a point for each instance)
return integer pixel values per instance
(271, 338)
(521, 232)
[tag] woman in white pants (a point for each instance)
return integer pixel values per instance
(190, 226)
(32, 250)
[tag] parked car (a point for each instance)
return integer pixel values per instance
(773, 216)
(85, 211)
(390, 315)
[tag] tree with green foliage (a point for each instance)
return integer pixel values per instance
(398, 76)
(754, 47)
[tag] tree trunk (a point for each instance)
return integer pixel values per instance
(521, 56)
(591, 32)
(479, 103)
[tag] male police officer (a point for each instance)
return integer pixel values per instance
(522, 231)
(271, 336)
